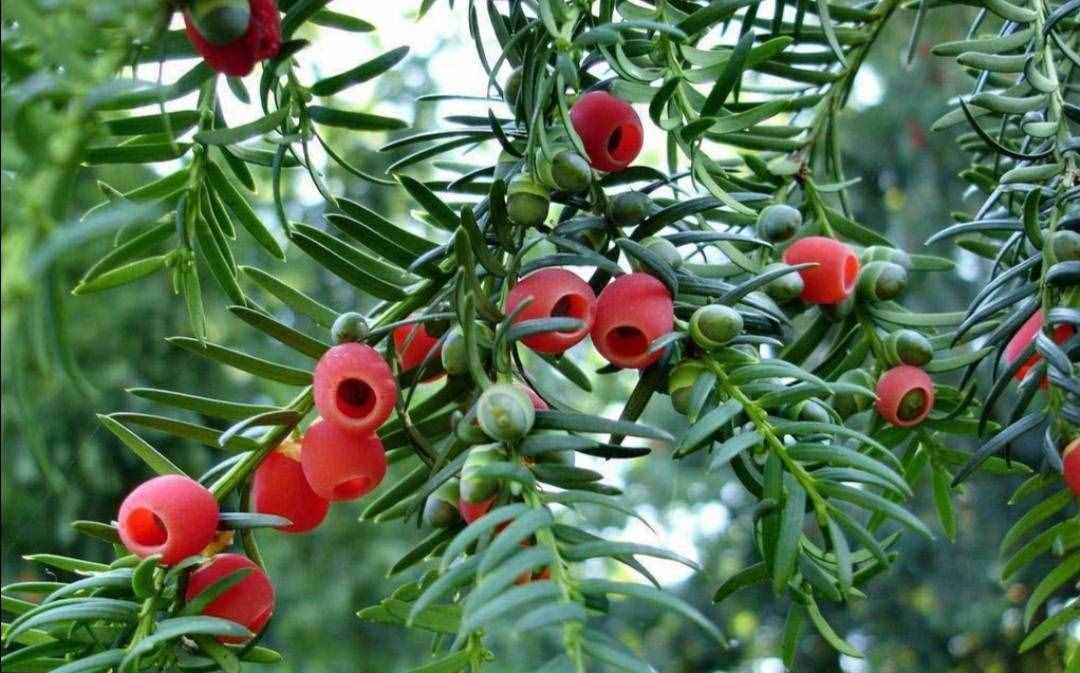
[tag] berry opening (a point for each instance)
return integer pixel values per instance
(851, 272)
(627, 341)
(352, 488)
(146, 528)
(912, 405)
(355, 398)
(570, 306)
(623, 143)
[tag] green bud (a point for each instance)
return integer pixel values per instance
(441, 507)
(849, 404)
(570, 172)
(628, 209)
(839, 312)
(808, 410)
(1065, 245)
(455, 356)
(908, 347)
(883, 253)
(475, 487)
(348, 327)
(527, 202)
(220, 21)
(662, 248)
(681, 381)
(505, 412)
(512, 88)
(785, 288)
(778, 222)
(714, 325)
(881, 281)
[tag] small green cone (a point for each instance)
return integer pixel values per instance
(778, 222)
(527, 202)
(881, 281)
(713, 326)
(785, 288)
(570, 172)
(848, 404)
(348, 327)
(474, 486)
(505, 412)
(628, 209)
(681, 382)
(908, 347)
(441, 507)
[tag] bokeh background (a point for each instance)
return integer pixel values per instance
(940, 609)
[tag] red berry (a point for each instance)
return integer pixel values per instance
(249, 602)
(341, 465)
(837, 270)
(261, 41)
(473, 511)
(171, 515)
(1071, 466)
(609, 128)
(556, 293)
(631, 312)
(280, 487)
(354, 388)
(905, 396)
(413, 345)
(1025, 335)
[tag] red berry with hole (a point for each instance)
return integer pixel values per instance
(237, 58)
(413, 345)
(172, 515)
(471, 511)
(249, 602)
(1071, 466)
(632, 311)
(556, 293)
(1027, 333)
(340, 465)
(280, 488)
(837, 270)
(354, 388)
(610, 130)
(905, 396)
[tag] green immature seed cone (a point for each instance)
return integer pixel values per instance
(881, 281)
(662, 248)
(628, 209)
(785, 288)
(681, 381)
(348, 327)
(570, 172)
(441, 507)
(882, 253)
(512, 88)
(1065, 246)
(713, 326)
(505, 412)
(220, 21)
(849, 403)
(778, 223)
(474, 486)
(527, 202)
(455, 355)
(908, 347)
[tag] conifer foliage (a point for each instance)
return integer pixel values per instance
(732, 278)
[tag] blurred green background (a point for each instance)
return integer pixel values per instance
(940, 609)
